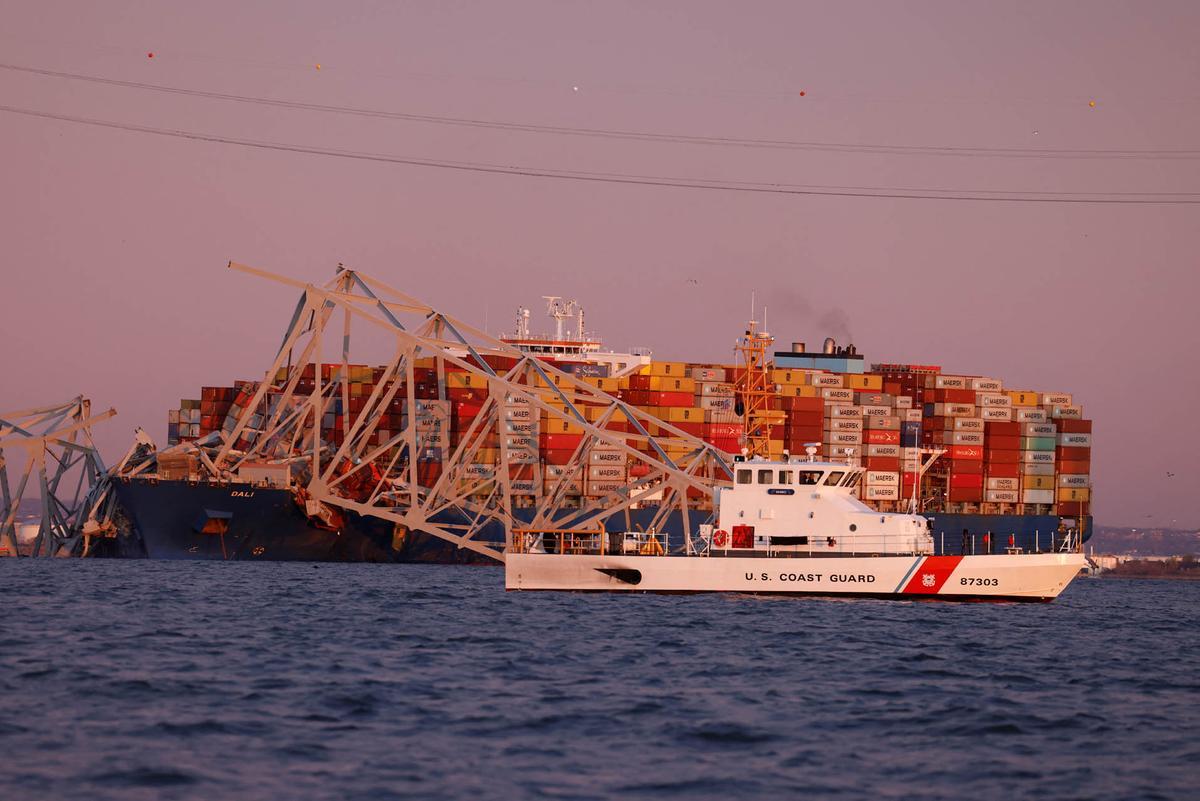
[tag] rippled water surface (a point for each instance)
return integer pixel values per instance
(278, 681)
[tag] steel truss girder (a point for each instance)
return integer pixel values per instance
(282, 424)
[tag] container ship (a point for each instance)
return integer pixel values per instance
(990, 467)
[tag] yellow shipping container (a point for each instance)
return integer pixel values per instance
(681, 415)
(1073, 493)
(1024, 398)
(673, 369)
(1039, 482)
(662, 383)
(465, 381)
(795, 391)
(594, 413)
(775, 416)
(775, 448)
(487, 456)
(789, 377)
(609, 385)
(867, 383)
(425, 363)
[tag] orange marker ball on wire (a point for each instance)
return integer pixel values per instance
(150, 55)
(318, 66)
(803, 93)
(1091, 104)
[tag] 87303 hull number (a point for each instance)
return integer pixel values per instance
(979, 582)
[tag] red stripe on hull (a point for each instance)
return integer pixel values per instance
(931, 575)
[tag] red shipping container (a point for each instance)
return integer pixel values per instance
(966, 495)
(876, 437)
(678, 399)
(549, 442)
(558, 456)
(1002, 443)
(795, 404)
(964, 466)
(964, 452)
(723, 430)
(888, 463)
(1002, 457)
(1073, 468)
(954, 396)
(695, 429)
(724, 444)
(1069, 454)
(802, 418)
(1068, 426)
(805, 432)
(1072, 508)
(995, 470)
(966, 480)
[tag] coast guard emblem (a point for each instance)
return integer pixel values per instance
(928, 579)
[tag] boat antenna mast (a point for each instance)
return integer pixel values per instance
(753, 389)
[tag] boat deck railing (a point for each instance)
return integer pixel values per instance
(588, 541)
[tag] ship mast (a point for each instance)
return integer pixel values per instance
(753, 388)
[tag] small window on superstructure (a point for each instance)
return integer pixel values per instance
(744, 477)
(765, 476)
(785, 476)
(852, 480)
(809, 477)
(835, 478)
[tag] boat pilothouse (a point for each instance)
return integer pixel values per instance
(807, 507)
(776, 527)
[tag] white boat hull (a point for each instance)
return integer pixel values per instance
(1015, 577)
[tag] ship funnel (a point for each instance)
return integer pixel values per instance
(830, 346)
(797, 347)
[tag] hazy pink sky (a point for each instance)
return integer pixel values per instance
(114, 243)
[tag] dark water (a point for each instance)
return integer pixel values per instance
(243, 681)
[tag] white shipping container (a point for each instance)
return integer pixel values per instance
(996, 414)
(1037, 457)
(1033, 469)
(986, 384)
(1004, 483)
(882, 477)
(606, 472)
(522, 442)
(607, 457)
(718, 389)
(1075, 440)
(904, 402)
(876, 411)
(708, 373)
(843, 437)
(1056, 399)
(525, 486)
(597, 489)
(889, 423)
(892, 451)
(1059, 412)
(1027, 415)
(844, 424)
(966, 438)
(879, 492)
(990, 400)
(1038, 430)
(838, 395)
(952, 382)
(716, 403)
(912, 415)
(1000, 496)
(841, 410)
(521, 413)
(527, 429)
(1074, 480)
(828, 380)
(967, 424)
(1037, 496)
(839, 453)
(954, 409)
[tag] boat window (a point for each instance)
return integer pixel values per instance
(809, 477)
(785, 476)
(852, 480)
(835, 478)
(765, 476)
(744, 477)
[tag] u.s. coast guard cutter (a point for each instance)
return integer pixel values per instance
(795, 528)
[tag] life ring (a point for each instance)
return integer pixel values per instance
(831, 541)
(720, 538)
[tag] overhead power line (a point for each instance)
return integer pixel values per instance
(983, 195)
(641, 136)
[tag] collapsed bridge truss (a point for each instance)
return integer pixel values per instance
(63, 471)
(380, 441)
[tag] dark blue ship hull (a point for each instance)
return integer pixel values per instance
(169, 520)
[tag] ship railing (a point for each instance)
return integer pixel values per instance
(588, 541)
